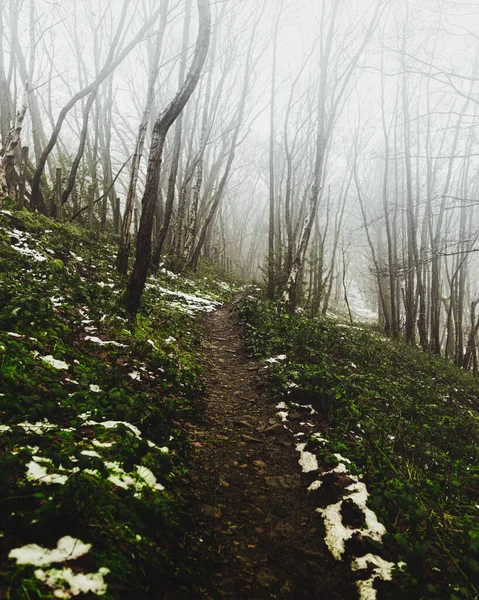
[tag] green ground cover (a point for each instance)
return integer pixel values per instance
(409, 423)
(91, 402)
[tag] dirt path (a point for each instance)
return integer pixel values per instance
(258, 533)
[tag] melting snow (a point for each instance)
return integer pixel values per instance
(336, 533)
(53, 362)
(382, 570)
(113, 424)
(90, 453)
(307, 460)
(97, 340)
(39, 427)
(66, 584)
(192, 303)
(38, 472)
(144, 478)
(275, 359)
(68, 548)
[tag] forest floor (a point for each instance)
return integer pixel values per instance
(257, 532)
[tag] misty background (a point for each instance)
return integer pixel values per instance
(329, 149)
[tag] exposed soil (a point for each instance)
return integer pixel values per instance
(258, 535)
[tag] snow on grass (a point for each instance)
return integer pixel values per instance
(22, 246)
(90, 453)
(102, 444)
(68, 548)
(189, 303)
(39, 427)
(38, 472)
(94, 388)
(141, 479)
(66, 584)
(97, 340)
(113, 424)
(53, 362)
(276, 359)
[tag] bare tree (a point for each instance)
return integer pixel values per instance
(165, 120)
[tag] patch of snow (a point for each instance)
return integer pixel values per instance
(66, 584)
(39, 427)
(97, 340)
(283, 414)
(113, 424)
(336, 533)
(382, 570)
(276, 359)
(170, 340)
(14, 334)
(135, 375)
(38, 472)
(53, 362)
(90, 453)
(144, 478)
(282, 405)
(102, 444)
(307, 460)
(68, 548)
(94, 388)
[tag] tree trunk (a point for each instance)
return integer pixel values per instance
(136, 285)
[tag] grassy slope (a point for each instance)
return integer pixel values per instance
(408, 421)
(51, 301)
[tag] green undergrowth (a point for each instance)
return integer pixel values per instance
(407, 420)
(91, 444)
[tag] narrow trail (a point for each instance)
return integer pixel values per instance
(258, 533)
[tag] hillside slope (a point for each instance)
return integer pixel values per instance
(390, 450)
(91, 453)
